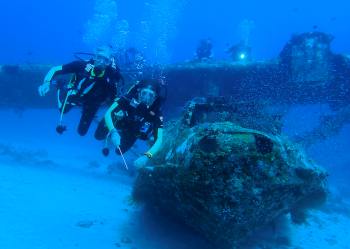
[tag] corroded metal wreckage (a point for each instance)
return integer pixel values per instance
(225, 181)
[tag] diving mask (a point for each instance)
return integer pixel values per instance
(101, 61)
(147, 96)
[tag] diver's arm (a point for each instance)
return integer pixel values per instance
(157, 145)
(45, 87)
(51, 73)
(108, 116)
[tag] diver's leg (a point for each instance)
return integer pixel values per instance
(88, 113)
(101, 131)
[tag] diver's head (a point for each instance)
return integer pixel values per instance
(147, 95)
(103, 57)
(150, 92)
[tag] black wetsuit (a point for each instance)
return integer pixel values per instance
(138, 121)
(91, 89)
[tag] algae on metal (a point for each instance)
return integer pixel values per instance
(225, 181)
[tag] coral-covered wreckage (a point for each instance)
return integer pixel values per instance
(225, 181)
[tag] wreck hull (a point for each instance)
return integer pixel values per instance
(225, 182)
(249, 82)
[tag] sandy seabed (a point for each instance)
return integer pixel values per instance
(59, 192)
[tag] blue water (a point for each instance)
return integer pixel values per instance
(60, 192)
(50, 31)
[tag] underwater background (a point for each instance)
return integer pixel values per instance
(49, 32)
(61, 192)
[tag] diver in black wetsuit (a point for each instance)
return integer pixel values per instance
(204, 50)
(137, 115)
(93, 83)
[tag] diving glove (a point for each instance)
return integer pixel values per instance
(44, 88)
(115, 138)
(141, 162)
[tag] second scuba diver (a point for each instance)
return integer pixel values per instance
(136, 115)
(93, 83)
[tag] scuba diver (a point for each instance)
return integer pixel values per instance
(204, 50)
(93, 83)
(136, 115)
(240, 52)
